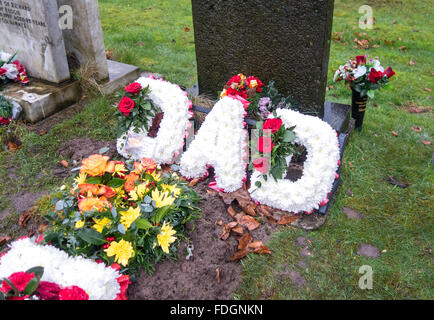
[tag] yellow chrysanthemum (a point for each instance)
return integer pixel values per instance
(173, 189)
(166, 237)
(162, 199)
(79, 224)
(119, 170)
(81, 179)
(101, 223)
(139, 192)
(122, 250)
(157, 177)
(128, 217)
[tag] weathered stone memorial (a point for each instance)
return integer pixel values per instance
(287, 41)
(51, 49)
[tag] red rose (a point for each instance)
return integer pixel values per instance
(235, 92)
(73, 293)
(134, 88)
(235, 79)
(262, 164)
(265, 144)
(126, 105)
(375, 75)
(2, 71)
(361, 60)
(48, 291)
(253, 82)
(20, 281)
(389, 72)
(273, 124)
(5, 121)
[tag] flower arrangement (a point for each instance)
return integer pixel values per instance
(311, 191)
(166, 137)
(54, 275)
(275, 146)
(262, 98)
(5, 111)
(129, 214)
(364, 76)
(11, 70)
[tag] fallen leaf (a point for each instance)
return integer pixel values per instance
(4, 239)
(42, 132)
(108, 54)
(352, 214)
(240, 254)
(193, 182)
(64, 163)
(427, 143)
(416, 129)
(24, 218)
(250, 210)
(42, 228)
(264, 211)
(232, 212)
(12, 146)
(375, 105)
(241, 195)
(211, 192)
(350, 193)
(403, 48)
(414, 109)
(187, 29)
(249, 222)
(428, 89)
(395, 133)
(244, 241)
(238, 230)
(220, 223)
(226, 233)
(287, 219)
(218, 276)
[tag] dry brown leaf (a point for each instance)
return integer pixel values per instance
(12, 146)
(241, 195)
(187, 29)
(193, 182)
(218, 276)
(287, 219)
(403, 48)
(64, 163)
(250, 210)
(42, 228)
(264, 211)
(211, 192)
(255, 245)
(240, 254)
(238, 230)
(244, 241)
(428, 89)
(427, 143)
(232, 212)
(220, 223)
(248, 222)
(416, 129)
(232, 225)
(4, 239)
(395, 133)
(414, 109)
(225, 233)
(24, 218)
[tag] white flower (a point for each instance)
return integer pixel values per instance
(5, 57)
(359, 72)
(12, 71)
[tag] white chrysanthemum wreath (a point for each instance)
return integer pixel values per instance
(319, 174)
(99, 282)
(174, 127)
(222, 143)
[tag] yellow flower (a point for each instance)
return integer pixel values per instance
(253, 84)
(139, 192)
(162, 199)
(81, 179)
(79, 224)
(119, 170)
(165, 238)
(128, 217)
(173, 190)
(224, 93)
(95, 165)
(157, 177)
(122, 250)
(101, 223)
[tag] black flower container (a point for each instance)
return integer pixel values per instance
(359, 104)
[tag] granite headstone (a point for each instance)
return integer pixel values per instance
(283, 40)
(31, 29)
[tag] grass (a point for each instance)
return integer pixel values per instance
(158, 36)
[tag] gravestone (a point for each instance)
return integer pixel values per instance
(283, 40)
(84, 40)
(31, 29)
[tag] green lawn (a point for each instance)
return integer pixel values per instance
(158, 36)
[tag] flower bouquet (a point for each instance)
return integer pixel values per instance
(136, 110)
(363, 77)
(5, 111)
(262, 99)
(11, 70)
(129, 214)
(275, 146)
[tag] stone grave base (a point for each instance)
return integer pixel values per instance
(41, 99)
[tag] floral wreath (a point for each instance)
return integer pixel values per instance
(94, 280)
(170, 140)
(312, 190)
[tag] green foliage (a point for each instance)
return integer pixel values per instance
(5, 107)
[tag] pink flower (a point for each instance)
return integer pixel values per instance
(73, 293)
(265, 144)
(48, 291)
(20, 281)
(262, 164)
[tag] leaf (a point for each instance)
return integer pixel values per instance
(250, 210)
(4, 239)
(37, 271)
(94, 180)
(24, 218)
(428, 89)
(32, 286)
(161, 213)
(12, 146)
(64, 163)
(289, 136)
(114, 212)
(116, 183)
(241, 195)
(371, 94)
(104, 150)
(244, 241)
(121, 229)
(13, 287)
(287, 219)
(395, 182)
(92, 236)
(143, 224)
(248, 222)
(193, 183)
(416, 129)
(395, 133)
(218, 276)
(240, 254)
(2, 296)
(232, 212)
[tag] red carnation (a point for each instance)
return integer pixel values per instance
(124, 282)
(48, 291)
(262, 164)
(235, 92)
(5, 121)
(134, 88)
(20, 281)
(389, 72)
(235, 79)
(73, 293)
(126, 105)
(375, 75)
(2, 71)
(361, 60)
(273, 124)
(265, 144)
